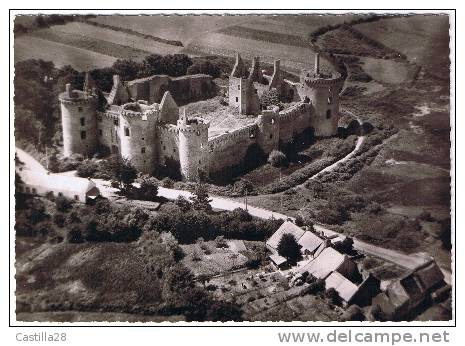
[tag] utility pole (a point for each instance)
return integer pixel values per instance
(281, 195)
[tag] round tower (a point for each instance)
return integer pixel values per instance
(193, 140)
(79, 121)
(322, 89)
(137, 135)
(268, 125)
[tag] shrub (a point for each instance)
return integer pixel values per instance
(220, 242)
(167, 182)
(63, 204)
(75, 235)
(277, 158)
(87, 168)
(333, 296)
(59, 219)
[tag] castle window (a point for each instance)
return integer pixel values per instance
(271, 136)
(200, 162)
(164, 147)
(143, 138)
(198, 133)
(83, 134)
(115, 122)
(79, 109)
(237, 99)
(330, 100)
(255, 90)
(239, 87)
(142, 150)
(328, 114)
(100, 132)
(126, 131)
(83, 121)
(174, 150)
(76, 197)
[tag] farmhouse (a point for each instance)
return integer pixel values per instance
(324, 262)
(141, 121)
(403, 296)
(47, 184)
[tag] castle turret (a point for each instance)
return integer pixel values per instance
(268, 124)
(79, 123)
(137, 133)
(193, 140)
(242, 93)
(322, 89)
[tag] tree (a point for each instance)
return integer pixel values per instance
(148, 190)
(277, 158)
(122, 171)
(289, 248)
(153, 65)
(204, 67)
(200, 199)
(127, 69)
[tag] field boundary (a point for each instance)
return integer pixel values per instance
(135, 33)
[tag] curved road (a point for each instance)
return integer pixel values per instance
(407, 261)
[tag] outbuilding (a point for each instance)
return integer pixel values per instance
(54, 185)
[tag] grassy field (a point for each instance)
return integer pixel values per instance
(92, 44)
(28, 47)
(89, 277)
(116, 37)
(419, 37)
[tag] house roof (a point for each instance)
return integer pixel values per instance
(310, 241)
(277, 259)
(57, 182)
(236, 245)
(286, 228)
(344, 287)
(328, 261)
(429, 275)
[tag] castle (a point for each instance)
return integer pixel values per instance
(142, 122)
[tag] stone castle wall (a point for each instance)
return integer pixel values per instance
(229, 149)
(108, 135)
(294, 121)
(167, 143)
(183, 89)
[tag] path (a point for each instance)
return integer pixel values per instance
(29, 162)
(407, 261)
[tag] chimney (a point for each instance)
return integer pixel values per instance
(317, 63)
(276, 67)
(116, 79)
(68, 90)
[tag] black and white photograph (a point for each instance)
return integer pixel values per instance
(261, 166)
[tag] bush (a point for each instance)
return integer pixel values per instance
(167, 182)
(87, 168)
(333, 296)
(277, 158)
(63, 204)
(148, 189)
